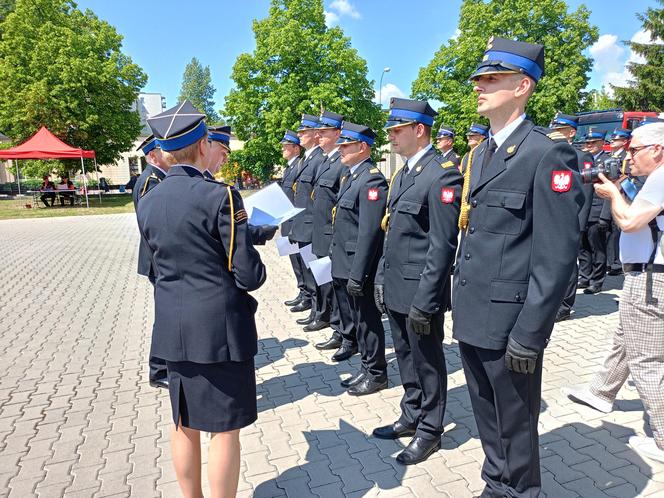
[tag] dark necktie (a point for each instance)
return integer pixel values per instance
(488, 154)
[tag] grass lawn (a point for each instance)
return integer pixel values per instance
(111, 204)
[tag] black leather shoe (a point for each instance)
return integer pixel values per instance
(294, 302)
(563, 315)
(614, 272)
(582, 285)
(393, 431)
(303, 306)
(367, 386)
(331, 343)
(316, 325)
(344, 353)
(354, 380)
(593, 289)
(418, 450)
(307, 320)
(163, 383)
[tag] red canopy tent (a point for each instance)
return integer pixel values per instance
(45, 145)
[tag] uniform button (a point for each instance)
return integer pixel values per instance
(387, 265)
(474, 203)
(467, 256)
(502, 203)
(393, 209)
(463, 281)
(518, 297)
(471, 229)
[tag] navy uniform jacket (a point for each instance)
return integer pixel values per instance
(150, 178)
(302, 227)
(422, 233)
(326, 188)
(203, 311)
(585, 161)
(357, 241)
(286, 183)
(600, 209)
(453, 157)
(521, 243)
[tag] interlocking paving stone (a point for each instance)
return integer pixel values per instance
(78, 418)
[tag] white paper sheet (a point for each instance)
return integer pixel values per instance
(322, 270)
(270, 206)
(307, 255)
(285, 248)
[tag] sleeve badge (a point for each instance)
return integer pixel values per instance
(447, 195)
(561, 181)
(372, 194)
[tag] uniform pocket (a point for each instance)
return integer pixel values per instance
(350, 246)
(347, 203)
(411, 271)
(505, 212)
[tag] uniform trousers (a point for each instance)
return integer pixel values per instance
(157, 365)
(308, 278)
(370, 334)
(613, 248)
(423, 375)
(296, 263)
(592, 257)
(642, 321)
(346, 331)
(506, 407)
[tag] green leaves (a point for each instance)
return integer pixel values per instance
(646, 91)
(564, 34)
(64, 69)
(197, 87)
(298, 66)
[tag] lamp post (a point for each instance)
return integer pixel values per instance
(380, 86)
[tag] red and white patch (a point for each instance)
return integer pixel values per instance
(372, 195)
(587, 165)
(447, 195)
(561, 181)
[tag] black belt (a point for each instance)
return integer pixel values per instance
(642, 267)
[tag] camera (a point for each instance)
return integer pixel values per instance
(610, 168)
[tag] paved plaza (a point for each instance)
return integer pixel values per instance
(78, 418)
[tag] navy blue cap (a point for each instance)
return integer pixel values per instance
(330, 121)
(561, 120)
(178, 127)
(594, 135)
(478, 129)
(221, 134)
(445, 131)
(351, 132)
(406, 111)
(148, 145)
(290, 137)
(308, 122)
(619, 133)
(503, 55)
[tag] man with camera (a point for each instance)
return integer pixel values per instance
(592, 257)
(640, 333)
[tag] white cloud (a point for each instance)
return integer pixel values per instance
(339, 9)
(616, 71)
(388, 91)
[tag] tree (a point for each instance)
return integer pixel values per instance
(598, 100)
(565, 36)
(645, 92)
(64, 69)
(299, 66)
(197, 87)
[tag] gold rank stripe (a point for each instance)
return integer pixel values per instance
(230, 250)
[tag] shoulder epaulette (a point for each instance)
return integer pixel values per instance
(554, 135)
(374, 170)
(447, 164)
(147, 182)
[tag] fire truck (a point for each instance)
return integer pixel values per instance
(610, 119)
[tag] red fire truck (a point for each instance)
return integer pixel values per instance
(610, 119)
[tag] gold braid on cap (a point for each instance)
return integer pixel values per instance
(385, 222)
(230, 250)
(465, 192)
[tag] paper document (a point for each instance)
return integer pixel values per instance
(270, 206)
(307, 255)
(322, 270)
(285, 247)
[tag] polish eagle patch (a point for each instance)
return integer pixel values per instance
(372, 194)
(561, 181)
(447, 195)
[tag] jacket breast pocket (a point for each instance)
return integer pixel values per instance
(347, 203)
(327, 182)
(505, 212)
(407, 216)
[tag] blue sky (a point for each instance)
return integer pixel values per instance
(162, 36)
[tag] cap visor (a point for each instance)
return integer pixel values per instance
(397, 124)
(486, 70)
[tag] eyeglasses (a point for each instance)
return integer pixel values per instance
(632, 151)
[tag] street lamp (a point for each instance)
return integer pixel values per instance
(380, 86)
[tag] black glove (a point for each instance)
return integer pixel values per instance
(354, 288)
(519, 358)
(603, 225)
(418, 321)
(379, 293)
(268, 232)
